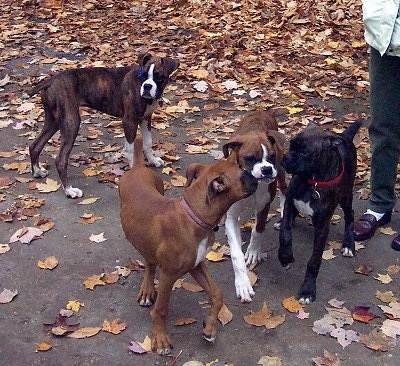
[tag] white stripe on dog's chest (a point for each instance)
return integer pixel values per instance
(202, 250)
(303, 207)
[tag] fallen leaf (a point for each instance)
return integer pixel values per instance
(386, 297)
(378, 341)
(114, 327)
(225, 315)
(393, 270)
(328, 359)
(88, 201)
(7, 296)
(4, 248)
(385, 279)
(74, 305)
(393, 309)
(184, 321)
(291, 304)
(92, 281)
(50, 186)
(26, 235)
(215, 256)
(141, 347)
(270, 361)
(43, 346)
(97, 238)
(387, 230)
(391, 328)
(258, 318)
(336, 303)
(274, 321)
(301, 314)
(49, 263)
(84, 332)
(345, 337)
(363, 269)
(362, 314)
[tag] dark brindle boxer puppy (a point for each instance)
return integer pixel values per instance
(131, 93)
(259, 149)
(175, 233)
(323, 165)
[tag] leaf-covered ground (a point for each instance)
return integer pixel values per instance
(68, 278)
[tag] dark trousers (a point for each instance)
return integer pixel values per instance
(384, 130)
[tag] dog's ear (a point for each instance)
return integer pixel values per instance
(144, 58)
(217, 185)
(234, 145)
(192, 172)
(279, 140)
(170, 64)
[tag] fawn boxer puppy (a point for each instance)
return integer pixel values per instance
(323, 167)
(259, 148)
(131, 93)
(174, 234)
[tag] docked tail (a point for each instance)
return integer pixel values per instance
(351, 131)
(138, 158)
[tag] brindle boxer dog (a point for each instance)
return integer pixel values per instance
(174, 234)
(259, 148)
(323, 166)
(131, 93)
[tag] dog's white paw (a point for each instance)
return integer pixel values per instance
(252, 257)
(145, 302)
(210, 339)
(305, 300)
(155, 161)
(39, 172)
(73, 192)
(347, 252)
(244, 289)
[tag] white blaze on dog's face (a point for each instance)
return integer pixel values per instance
(148, 89)
(265, 168)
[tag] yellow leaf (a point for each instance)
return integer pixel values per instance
(92, 281)
(330, 61)
(387, 231)
(385, 279)
(50, 186)
(74, 305)
(88, 201)
(49, 263)
(146, 344)
(258, 318)
(84, 332)
(294, 110)
(214, 256)
(274, 321)
(114, 327)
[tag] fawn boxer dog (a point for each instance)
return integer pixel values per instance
(174, 234)
(131, 93)
(259, 149)
(323, 166)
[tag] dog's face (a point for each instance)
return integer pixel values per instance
(154, 73)
(257, 153)
(224, 180)
(311, 150)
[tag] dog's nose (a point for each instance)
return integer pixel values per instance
(266, 170)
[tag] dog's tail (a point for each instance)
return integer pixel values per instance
(351, 131)
(44, 84)
(138, 158)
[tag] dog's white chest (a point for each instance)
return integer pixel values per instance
(303, 207)
(202, 250)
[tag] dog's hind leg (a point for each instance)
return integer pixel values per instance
(202, 276)
(348, 246)
(147, 294)
(69, 132)
(50, 127)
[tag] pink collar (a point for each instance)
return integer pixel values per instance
(329, 183)
(195, 218)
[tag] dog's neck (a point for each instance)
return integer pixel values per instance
(328, 180)
(195, 217)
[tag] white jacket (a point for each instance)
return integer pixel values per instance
(382, 25)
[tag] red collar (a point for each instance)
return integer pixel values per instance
(329, 183)
(195, 218)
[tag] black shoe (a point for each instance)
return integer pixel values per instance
(366, 226)
(396, 243)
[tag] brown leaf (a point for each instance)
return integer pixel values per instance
(225, 315)
(378, 341)
(49, 263)
(258, 318)
(363, 269)
(291, 304)
(362, 314)
(274, 321)
(114, 327)
(328, 359)
(44, 346)
(184, 321)
(92, 281)
(84, 332)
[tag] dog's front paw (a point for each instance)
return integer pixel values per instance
(347, 252)
(285, 258)
(73, 192)
(253, 253)
(161, 343)
(155, 161)
(307, 293)
(244, 289)
(278, 224)
(39, 172)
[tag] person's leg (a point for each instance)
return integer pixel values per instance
(384, 133)
(384, 130)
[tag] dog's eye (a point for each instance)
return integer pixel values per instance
(272, 158)
(250, 160)
(158, 77)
